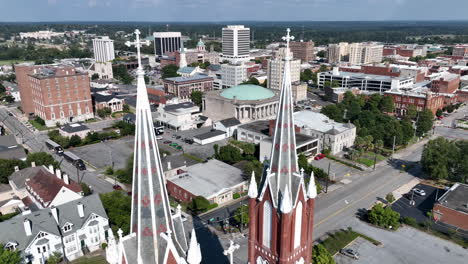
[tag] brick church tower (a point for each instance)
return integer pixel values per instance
(282, 206)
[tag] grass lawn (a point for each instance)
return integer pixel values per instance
(340, 239)
(195, 158)
(368, 158)
(90, 260)
(91, 120)
(9, 62)
(365, 161)
(38, 126)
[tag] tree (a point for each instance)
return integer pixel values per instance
(41, 158)
(197, 97)
(441, 158)
(2, 88)
(8, 256)
(411, 112)
(333, 112)
(229, 154)
(306, 75)
(85, 188)
(75, 141)
(169, 71)
(120, 72)
(252, 80)
(439, 112)
(147, 79)
(118, 206)
(384, 216)
(199, 204)
(386, 104)
(216, 149)
(104, 112)
(40, 121)
(55, 258)
(95, 76)
(253, 166)
(9, 99)
(424, 123)
(241, 215)
(390, 198)
(320, 255)
(322, 54)
(126, 108)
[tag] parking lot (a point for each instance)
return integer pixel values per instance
(203, 152)
(338, 171)
(406, 245)
(423, 204)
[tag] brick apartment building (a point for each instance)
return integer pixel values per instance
(303, 50)
(404, 51)
(387, 70)
(183, 87)
(422, 101)
(447, 84)
(452, 207)
(55, 93)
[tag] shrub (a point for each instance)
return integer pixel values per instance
(40, 121)
(409, 221)
(390, 198)
(236, 196)
(200, 204)
(321, 255)
(384, 217)
(104, 246)
(85, 188)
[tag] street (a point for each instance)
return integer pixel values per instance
(35, 142)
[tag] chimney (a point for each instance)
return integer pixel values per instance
(54, 211)
(51, 169)
(66, 179)
(169, 167)
(27, 227)
(33, 164)
(58, 173)
(16, 168)
(80, 208)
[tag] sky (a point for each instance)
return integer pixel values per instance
(231, 10)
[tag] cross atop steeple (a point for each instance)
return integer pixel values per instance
(288, 38)
(138, 44)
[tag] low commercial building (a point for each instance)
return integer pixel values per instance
(214, 180)
(243, 102)
(71, 229)
(228, 125)
(253, 132)
(452, 207)
(330, 134)
(305, 144)
(447, 83)
(10, 149)
(76, 129)
(181, 116)
(183, 87)
(209, 137)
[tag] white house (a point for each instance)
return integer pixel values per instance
(71, 229)
(228, 125)
(181, 116)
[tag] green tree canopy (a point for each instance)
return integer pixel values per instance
(384, 216)
(118, 208)
(197, 97)
(9, 257)
(199, 204)
(229, 154)
(241, 215)
(169, 71)
(41, 158)
(320, 255)
(424, 123)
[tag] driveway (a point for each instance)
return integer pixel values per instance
(406, 245)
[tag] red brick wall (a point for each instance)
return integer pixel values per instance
(443, 86)
(386, 71)
(179, 193)
(450, 216)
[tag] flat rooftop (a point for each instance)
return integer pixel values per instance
(261, 127)
(319, 122)
(209, 178)
(456, 198)
(373, 77)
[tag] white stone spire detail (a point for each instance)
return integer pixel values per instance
(183, 58)
(194, 253)
(312, 188)
(253, 189)
(286, 202)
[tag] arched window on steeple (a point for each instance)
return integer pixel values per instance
(298, 226)
(267, 224)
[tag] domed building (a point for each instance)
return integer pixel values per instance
(246, 102)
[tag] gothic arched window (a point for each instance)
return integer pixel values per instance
(298, 225)
(267, 224)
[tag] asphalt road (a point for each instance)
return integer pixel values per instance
(35, 142)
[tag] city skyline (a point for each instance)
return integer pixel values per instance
(239, 10)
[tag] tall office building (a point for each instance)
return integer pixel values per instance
(236, 43)
(275, 70)
(303, 50)
(233, 74)
(165, 42)
(103, 54)
(338, 52)
(363, 53)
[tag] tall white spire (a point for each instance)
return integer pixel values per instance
(183, 58)
(286, 202)
(312, 188)
(253, 190)
(194, 253)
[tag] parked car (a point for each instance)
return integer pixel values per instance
(179, 147)
(167, 142)
(173, 145)
(319, 156)
(350, 253)
(419, 192)
(117, 187)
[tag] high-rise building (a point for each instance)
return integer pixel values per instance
(275, 70)
(363, 53)
(165, 42)
(57, 93)
(281, 209)
(233, 74)
(156, 236)
(103, 54)
(236, 43)
(337, 52)
(303, 50)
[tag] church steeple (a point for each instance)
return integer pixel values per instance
(281, 212)
(183, 58)
(156, 236)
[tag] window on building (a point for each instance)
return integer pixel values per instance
(267, 224)
(67, 227)
(10, 246)
(298, 226)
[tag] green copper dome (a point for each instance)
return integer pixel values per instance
(247, 92)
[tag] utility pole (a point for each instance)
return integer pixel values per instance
(375, 156)
(242, 216)
(328, 177)
(393, 147)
